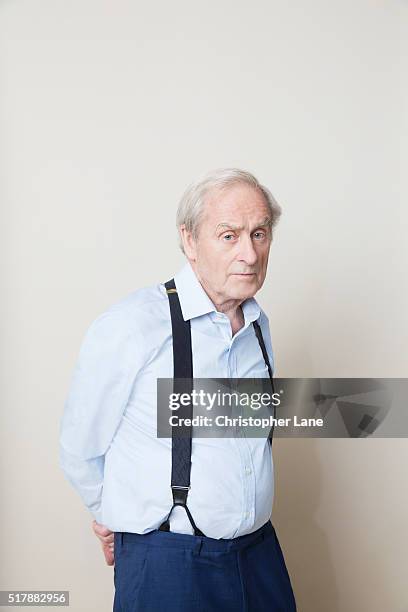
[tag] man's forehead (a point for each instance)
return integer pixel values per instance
(255, 213)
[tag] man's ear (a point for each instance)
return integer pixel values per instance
(189, 243)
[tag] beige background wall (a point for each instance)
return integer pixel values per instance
(107, 111)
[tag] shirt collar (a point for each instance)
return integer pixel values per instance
(195, 302)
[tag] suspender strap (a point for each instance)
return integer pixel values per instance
(268, 365)
(183, 383)
(181, 445)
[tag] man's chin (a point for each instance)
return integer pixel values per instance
(243, 294)
(244, 285)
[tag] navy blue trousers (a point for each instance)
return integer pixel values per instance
(165, 572)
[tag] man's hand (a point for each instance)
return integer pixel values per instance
(106, 538)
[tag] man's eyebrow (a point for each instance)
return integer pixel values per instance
(229, 225)
(265, 223)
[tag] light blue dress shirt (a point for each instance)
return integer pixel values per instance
(109, 449)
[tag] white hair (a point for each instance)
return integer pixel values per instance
(191, 206)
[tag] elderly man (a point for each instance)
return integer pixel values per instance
(186, 524)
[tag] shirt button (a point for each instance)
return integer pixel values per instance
(248, 470)
(247, 514)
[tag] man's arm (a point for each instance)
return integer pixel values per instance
(108, 362)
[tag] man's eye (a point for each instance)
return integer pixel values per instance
(227, 236)
(260, 234)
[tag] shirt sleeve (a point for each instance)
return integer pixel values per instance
(110, 357)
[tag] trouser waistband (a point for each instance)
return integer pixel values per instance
(185, 540)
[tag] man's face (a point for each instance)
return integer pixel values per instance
(230, 256)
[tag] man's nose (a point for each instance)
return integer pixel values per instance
(247, 252)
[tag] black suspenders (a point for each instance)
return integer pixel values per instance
(183, 383)
(183, 369)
